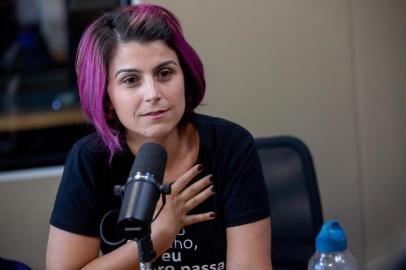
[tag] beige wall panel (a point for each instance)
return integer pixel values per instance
(25, 208)
(285, 67)
(380, 57)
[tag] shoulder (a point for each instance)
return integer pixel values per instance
(89, 146)
(86, 151)
(85, 188)
(216, 129)
(221, 125)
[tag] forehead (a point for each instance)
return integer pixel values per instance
(141, 55)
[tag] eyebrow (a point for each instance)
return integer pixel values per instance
(139, 70)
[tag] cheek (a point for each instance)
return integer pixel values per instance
(182, 99)
(180, 104)
(125, 108)
(181, 96)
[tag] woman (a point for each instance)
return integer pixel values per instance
(140, 81)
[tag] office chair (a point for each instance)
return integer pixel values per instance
(7, 264)
(296, 214)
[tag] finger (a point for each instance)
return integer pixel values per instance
(195, 188)
(185, 178)
(192, 219)
(158, 206)
(198, 199)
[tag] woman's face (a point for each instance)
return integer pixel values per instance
(146, 89)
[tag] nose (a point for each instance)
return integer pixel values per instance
(151, 91)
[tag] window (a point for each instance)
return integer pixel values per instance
(40, 116)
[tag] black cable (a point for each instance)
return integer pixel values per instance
(101, 230)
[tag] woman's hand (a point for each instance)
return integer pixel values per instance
(182, 199)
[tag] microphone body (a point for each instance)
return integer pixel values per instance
(142, 191)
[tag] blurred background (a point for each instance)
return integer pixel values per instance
(332, 73)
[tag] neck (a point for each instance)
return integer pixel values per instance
(176, 143)
(182, 146)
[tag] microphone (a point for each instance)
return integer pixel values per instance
(142, 191)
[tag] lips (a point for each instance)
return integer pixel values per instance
(155, 113)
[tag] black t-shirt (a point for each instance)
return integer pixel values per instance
(226, 151)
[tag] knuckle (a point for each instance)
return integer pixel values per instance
(194, 189)
(186, 222)
(193, 219)
(195, 202)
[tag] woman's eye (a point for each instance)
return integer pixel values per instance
(130, 81)
(165, 74)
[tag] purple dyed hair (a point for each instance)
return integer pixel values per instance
(141, 23)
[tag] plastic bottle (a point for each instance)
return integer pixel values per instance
(331, 250)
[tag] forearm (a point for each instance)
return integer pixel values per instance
(127, 256)
(249, 246)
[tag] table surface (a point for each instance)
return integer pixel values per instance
(38, 120)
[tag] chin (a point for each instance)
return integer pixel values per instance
(159, 132)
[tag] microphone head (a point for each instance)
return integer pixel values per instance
(151, 158)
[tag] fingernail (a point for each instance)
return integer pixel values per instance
(211, 178)
(213, 189)
(199, 168)
(212, 214)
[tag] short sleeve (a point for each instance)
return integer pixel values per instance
(79, 205)
(245, 197)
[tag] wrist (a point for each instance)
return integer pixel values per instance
(162, 238)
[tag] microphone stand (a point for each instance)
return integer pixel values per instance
(146, 252)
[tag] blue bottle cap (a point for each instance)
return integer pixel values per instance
(331, 238)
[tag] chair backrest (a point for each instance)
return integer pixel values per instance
(7, 264)
(296, 214)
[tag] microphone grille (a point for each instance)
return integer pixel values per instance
(151, 158)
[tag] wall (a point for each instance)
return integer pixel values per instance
(329, 72)
(380, 72)
(26, 200)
